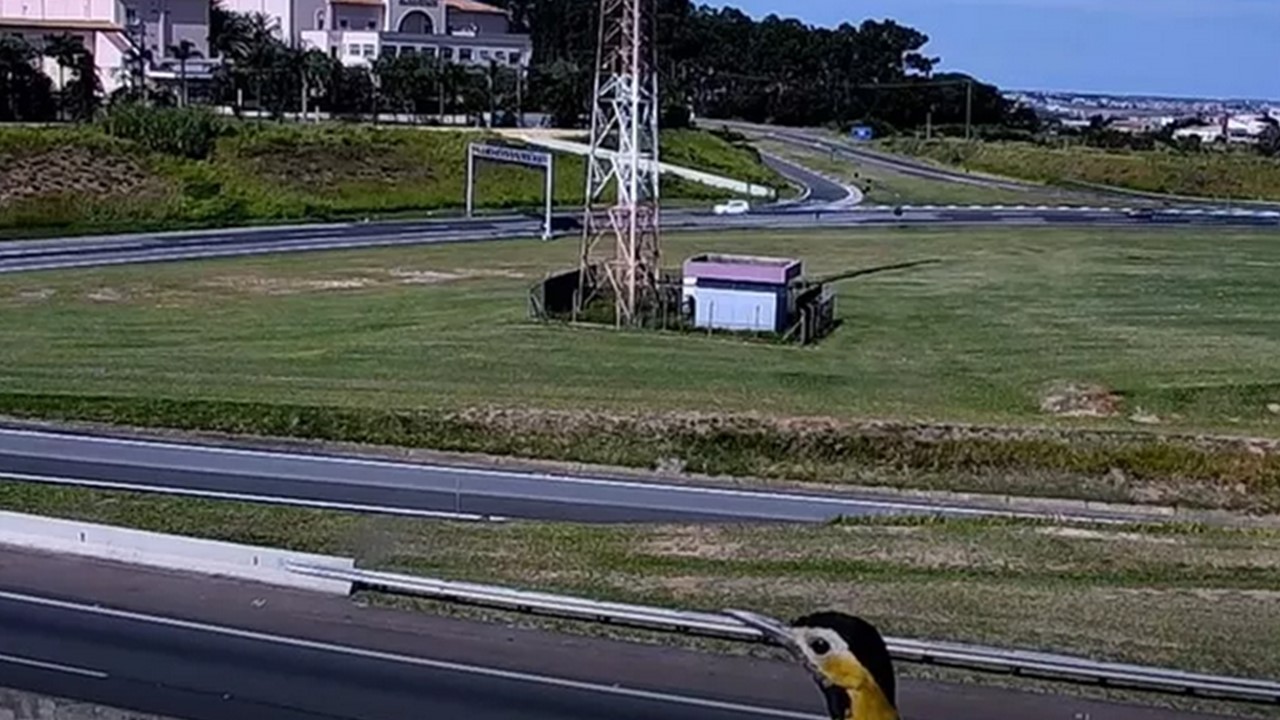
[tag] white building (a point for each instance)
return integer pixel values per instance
(357, 31)
(1233, 128)
(104, 27)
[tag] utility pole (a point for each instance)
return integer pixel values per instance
(968, 110)
(624, 154)
(493, 107)
(520, 95)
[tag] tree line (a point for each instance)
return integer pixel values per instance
(720, 62)
(715, 62)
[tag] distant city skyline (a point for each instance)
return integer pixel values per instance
(1168, 48)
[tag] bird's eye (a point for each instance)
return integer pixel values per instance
(819, 646)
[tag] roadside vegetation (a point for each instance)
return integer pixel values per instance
(1191, 597)
(1215, 174)
(882, 186)
(159, 168)
(1080, 356)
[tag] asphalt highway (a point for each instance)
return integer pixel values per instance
(201, 674)
(816, 212)
(218, 649)
(361, 483)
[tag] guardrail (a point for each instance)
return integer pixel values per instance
(1044, 666)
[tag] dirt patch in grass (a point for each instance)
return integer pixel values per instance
(69, 170)
(1076, 400)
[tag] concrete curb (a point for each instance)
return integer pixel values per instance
(173, 552)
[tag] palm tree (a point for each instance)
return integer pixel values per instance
(316, 68)
(66, 50)
(182, 52)
(229, 33)
(25, 92)
(451, 76)
(134, 68)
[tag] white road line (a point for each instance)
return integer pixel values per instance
(42, 665)
(348, 650)
(245, 497)
(568, 479)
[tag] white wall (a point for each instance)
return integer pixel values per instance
(735, 309)
(59, 9)
(278, 9)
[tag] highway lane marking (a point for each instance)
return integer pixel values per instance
(402, 659)
(42, 665)
(245, 497)
(567, 479)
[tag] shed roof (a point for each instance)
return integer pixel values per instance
(743, 268)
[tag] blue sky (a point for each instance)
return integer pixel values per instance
(1212, 48)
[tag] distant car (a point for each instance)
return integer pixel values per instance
(732, 207)
(1142, 214)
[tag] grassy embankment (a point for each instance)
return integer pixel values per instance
(1235, 175)
(70, 180)
(882, 186)
(430, 347)
(1190, 597)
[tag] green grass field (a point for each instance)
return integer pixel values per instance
(1190, 597)
(1210, 174)
(71, 180)
(1174, 328)
(1178, 322)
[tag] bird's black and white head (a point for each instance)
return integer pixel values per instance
(847, 657)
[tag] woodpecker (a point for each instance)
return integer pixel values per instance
(846, 656)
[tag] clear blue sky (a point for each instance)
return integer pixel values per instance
(1210, 48)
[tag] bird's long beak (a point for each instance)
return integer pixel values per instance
(779, 634)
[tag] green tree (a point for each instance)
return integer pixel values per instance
(66, 50)
(26, 94)
(183, 52)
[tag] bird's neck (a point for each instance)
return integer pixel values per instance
(869, 703)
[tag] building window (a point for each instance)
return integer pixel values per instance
(319, 19)
(371, 25)
(514, 58)
(417, 22)
(499, 56)
(390, 50)
(464, 54)
(353, 50)
(446, 53)
(333, 51)
(408, 51)
(484, 54)
(368, 50)
(429, 52)
(344, 24)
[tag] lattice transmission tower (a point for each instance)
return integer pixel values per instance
(621, 241)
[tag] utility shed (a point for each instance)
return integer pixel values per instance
(741, 292)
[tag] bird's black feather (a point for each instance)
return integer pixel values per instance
(866, 644)
(838, 703)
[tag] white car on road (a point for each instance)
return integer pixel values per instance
(732, 207)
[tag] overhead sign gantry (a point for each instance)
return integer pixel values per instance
(513, 156)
